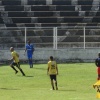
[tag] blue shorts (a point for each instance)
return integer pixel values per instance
(29, 56)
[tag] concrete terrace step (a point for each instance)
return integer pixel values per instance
(48, 14)
(45, 2)
(62, 25)
(49, 8)
(10, 20)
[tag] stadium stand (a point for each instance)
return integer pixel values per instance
(50, 13)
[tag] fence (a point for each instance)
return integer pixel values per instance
(51, 37)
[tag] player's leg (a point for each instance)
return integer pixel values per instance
(98, 70)
(98, 76)
(30, 63)
(30, 60)
(55, 80)
(18, 66)
(51, 77)
(12, 66)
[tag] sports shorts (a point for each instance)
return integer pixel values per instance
(98, 70)
(15, 64)
(29, 56)
(53, 77)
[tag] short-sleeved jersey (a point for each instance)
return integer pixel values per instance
(30, 48)
(52, 67)
(16, 56)
(97, 62)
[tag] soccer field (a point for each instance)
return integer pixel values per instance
(74, 83)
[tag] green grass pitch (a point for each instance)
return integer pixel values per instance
(74, 83)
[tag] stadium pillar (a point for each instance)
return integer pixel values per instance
(25, 36)
(84, 37)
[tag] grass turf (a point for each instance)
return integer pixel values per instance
(74, 83)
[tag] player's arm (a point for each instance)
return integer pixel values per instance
(33, 48)
(13, 58)
(25, 50)
(48, 69)
(57, 69)
(96, 62)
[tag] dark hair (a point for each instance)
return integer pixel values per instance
(51, 57)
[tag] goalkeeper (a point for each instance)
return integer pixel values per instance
(30, 49)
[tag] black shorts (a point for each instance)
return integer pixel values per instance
(15, 64)
(53, 77)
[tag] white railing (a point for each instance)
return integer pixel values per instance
(51, 37)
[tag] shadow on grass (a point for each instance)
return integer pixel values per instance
(9, 89)
(40, 68)
(67, 90)
(29, 76)
(25, 76)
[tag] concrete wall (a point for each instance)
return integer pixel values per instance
(61, 55)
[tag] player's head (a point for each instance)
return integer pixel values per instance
(51, 58)
(28, 41)
(11, 49)
(99, 54)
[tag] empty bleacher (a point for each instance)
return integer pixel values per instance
(51, 13)
(39, 8)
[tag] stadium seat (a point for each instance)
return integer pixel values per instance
(11, 25)
(30, 25)
(96, 20)
(86, 7)
(43, 13)
(21, 20)
(17, 14)
(14, 8)
(69, 13)
(73, 19)
(47, 20)
(61, 2)
(53, 13)
(85, 2)
(1, 21)
(98, 13)
(52, 8)
(50, 24)
(36, 2)
(65, 7)
(11, 2)
(93, 39)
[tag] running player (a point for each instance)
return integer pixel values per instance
(52, 70)
(15, 62)
(97, 63)
(30, 49)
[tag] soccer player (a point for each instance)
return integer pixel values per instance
(52, 70)
(30, 49)
(15, 62)
(97, 63)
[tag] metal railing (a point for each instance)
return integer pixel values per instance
(51, 37)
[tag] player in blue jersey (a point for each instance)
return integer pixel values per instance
(30, 49)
